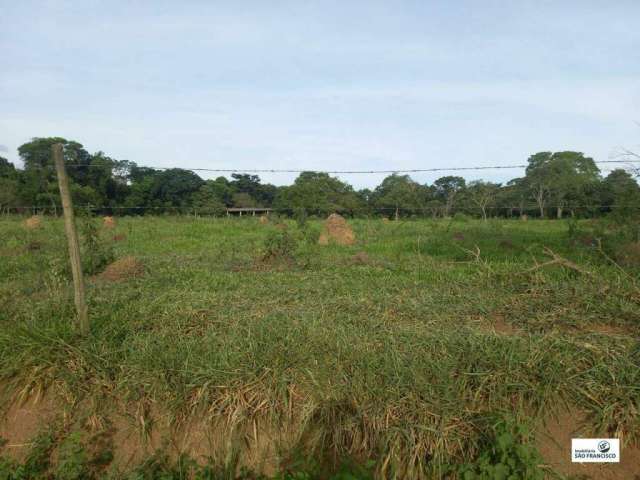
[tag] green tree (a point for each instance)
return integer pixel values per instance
(174, 187)
(514, 195)
(566, 178)
(620, 194)
(483, 194)
(244, 200)
(447, 191)
(91, 176)
(319, 193)
(9, 178)
(398, 192)
(262, 194)
(207, 199)
(7, 169)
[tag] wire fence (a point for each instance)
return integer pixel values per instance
(437, 209)
(332, 172)
(292, 211)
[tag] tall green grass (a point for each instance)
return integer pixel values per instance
(393, 358)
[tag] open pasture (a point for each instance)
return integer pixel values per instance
(250, 347)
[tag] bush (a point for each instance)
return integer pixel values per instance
(279, 244)
(507, 455)
(300, 216)
(97, 252)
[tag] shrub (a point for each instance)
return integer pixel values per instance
(300, 216)
(279, 244)
(507, 455)
(97, 253)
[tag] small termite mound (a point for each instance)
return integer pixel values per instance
(337, 230)
(109, 222)
(34, 222)
(122, 269)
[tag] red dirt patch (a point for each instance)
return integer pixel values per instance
(554, 443)
(459, 236)
(23, 421)
(122, 269)
(119, 238)
(336, 229)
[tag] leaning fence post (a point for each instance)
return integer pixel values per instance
(72, 239)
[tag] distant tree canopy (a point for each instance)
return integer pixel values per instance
(317, 193)
(562, 178)
(555, 184)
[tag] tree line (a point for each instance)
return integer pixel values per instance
(555, 184)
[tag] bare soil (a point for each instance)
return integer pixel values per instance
(25, 420)
(554, 443)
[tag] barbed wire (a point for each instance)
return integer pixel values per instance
(345, 172)
(82, 165)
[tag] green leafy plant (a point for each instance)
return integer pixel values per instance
(507, 456)
(74, 461)
(35, 465)
(279, 244)
(301, 217)
(97, 253)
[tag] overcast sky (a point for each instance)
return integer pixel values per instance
(323, 85)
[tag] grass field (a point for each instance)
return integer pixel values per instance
(410, 354)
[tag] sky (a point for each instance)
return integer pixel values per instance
(323, 85)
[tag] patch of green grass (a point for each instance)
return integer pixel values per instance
(395, 358)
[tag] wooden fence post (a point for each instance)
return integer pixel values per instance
(72, 239)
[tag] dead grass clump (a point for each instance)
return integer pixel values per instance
(34, 222)
(629, 255)
(109, 222)
(459, 236)
(122, 269)
(119, 238)
(360, 258)
(263, 220)
(33, 246)
(336, 229)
